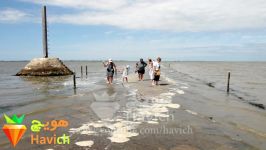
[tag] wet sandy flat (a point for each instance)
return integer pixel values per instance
(174, 129)
(179, 114)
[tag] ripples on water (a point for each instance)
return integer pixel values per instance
(248, 79)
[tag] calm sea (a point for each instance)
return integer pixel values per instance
(248, 80)
(201, 88)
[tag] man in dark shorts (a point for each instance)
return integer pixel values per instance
(141, 69)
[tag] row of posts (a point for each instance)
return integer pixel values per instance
(81, 74)
(228, 79)
(81, 71)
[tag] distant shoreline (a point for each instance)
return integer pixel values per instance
(137, 60)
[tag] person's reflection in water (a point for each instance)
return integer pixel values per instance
(111, 91)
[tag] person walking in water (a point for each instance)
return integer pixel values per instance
(111, 69)
(157, 71)
(125, 73)
(141, 69)
(150, 63)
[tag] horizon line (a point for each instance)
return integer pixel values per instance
(138, 60)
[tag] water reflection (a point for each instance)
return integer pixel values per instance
(47, 85)
(105, 104)
(44, 80)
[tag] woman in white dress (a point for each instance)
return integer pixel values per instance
(157, 71)
(150, 63)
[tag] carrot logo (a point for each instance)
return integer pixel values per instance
(14, 129)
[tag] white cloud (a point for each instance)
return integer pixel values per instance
(12, 15)
(83, 4)
(174, 15)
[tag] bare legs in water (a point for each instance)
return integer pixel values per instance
(141, 76)
(110, 80)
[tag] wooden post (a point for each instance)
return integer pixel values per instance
(81, 71)
(74, 80)
(44, 33)
(228, 82)
(86, 70)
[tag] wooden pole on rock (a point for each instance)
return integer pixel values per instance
(44, 33)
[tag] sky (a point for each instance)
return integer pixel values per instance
(180, 30)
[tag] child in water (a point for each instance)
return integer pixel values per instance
(125, 73)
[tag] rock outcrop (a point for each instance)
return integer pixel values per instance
(45, 67)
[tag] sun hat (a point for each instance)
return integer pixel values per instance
(110, 60)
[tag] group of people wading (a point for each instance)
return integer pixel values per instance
(154, 70)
